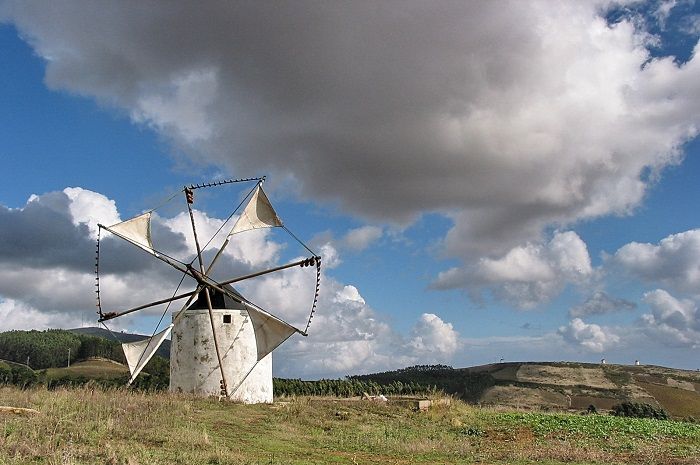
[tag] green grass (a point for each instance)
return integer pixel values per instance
(86, 426)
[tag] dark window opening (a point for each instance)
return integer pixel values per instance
(227, 318)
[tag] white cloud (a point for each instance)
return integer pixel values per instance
(91, 208)
(526, 275)
(674, 262)
(591, 337)
(360, 238)
(432, 337)
(673, 321)
(182, 108)
(330, 258)
(18, 315)
(349, 293)
(253, 248)
(348, 336)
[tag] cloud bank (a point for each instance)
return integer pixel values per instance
(507, 119)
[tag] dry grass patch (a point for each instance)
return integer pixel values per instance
(564, 376)
(678, 402)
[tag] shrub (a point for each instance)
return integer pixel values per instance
(638, 410)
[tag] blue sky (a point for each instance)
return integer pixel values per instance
(483, 182)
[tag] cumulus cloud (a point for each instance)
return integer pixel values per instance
(506, 119)
(433, 337)
(18, 315)
(346, 335)
(526, 275)
(674, 322)
(91, 208)
(674, 262)
(601, 303)
(591, 337)
(360, 238)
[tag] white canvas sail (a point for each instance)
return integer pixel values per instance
(257, 214)
(136, 230)
(140, 352)
(270, 332)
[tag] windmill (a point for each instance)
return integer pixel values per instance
(222, 342)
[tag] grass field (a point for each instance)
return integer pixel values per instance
(85, 426)
(678, 402)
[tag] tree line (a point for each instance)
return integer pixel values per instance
(347, 387)
(53, 347)
(460, 382)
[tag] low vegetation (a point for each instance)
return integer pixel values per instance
(638, 410)
(88, 425)
(350, 387)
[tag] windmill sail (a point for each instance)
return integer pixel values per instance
(270, 332)
(140, 352)
(257, 214)
(137, 230)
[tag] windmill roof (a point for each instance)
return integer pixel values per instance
(219, 300)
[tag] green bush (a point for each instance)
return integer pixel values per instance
(638, 410)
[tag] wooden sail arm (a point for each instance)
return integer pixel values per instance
(112, 315)
(304, 262)
(206, 281)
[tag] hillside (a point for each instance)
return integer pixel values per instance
(163, 350)
(561, 385)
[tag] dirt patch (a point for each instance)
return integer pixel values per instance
(600, 403)
(564, 376)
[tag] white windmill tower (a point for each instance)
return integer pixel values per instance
(222, 342)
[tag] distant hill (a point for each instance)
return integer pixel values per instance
(163, 350)
(560, 385)
(532, 385)
(94, 368)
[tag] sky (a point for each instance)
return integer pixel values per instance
(485, 181)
